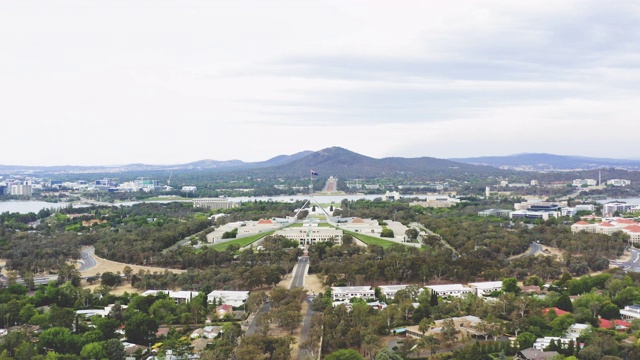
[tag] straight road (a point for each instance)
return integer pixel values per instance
(299, 272)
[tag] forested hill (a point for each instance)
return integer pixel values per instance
(550, 162)
(343, 163)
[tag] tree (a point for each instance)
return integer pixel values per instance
(449, 332)
(141, 329)
(424, 325)
(510, 285)
(344, 354)
(110, 279)
(114, 349)
(60, 340)
(386, 354)
(411, 234)
(93, 351)
(386, 232)
(564, 303)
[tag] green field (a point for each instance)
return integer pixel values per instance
(370, 239)
(323, 224)
(242, 241)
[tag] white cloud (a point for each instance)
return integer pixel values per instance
(173, 81)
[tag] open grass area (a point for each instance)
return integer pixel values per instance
(370, 239)
(242, 241)
(323, 224)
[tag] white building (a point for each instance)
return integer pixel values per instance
(345, 293)
(627, 226)
(180, 297)
(481, 289)
(588, 182)
(391, 196)
(455, 290)
(207, 332)
(233, 298)
(214, 203)
(21, 190)
(576, 330)
(364, 226)
(543, 343)
(527, 214)
(311, 235)
(630, 312)
(389, 291)
(618, 182)
(610, 208)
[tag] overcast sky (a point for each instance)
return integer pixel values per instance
(163, 82)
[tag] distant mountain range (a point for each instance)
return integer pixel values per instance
(334, 161)
(540, 162)
(343, 163)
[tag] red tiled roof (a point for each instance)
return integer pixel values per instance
(582, 223)
(625, 221)
(633, 228)
(606, 224)
(225, 307)
(264, 222)
(558, 311)
(610, 324)
(357, 221)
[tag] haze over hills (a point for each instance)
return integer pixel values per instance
(542, 161)
(330, 161)
(341, 162)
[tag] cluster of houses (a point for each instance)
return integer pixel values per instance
(480, 289)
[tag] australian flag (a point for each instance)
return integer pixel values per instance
(313, 172)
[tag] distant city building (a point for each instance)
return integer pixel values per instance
(439, 202)
(529, 214)
(609, 209)
(587, 182)
(21, 190)
(391, 196)
(189, 188)
(534, 183)
(495, 212)
(618, 182)
(214, 203)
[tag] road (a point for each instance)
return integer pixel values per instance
(299, 272)
(534, 249)
(297, 280)
(87, 261)
(633, 264)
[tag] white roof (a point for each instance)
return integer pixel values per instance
(344, 289)
(392, 287)
(229, 294)
(172, 294)
(487, 284)
(448, 287)
(580, 326)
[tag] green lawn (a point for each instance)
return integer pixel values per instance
(242, 241)
(322, 224)
(370, 239)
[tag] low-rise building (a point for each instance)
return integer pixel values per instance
(180, 297)
(389, 291)
(630, 312)
(543, 343)
(345, 293)
(618, 182)
(207, 332)
(481, 289)
(233, 298)
(495, 212)
(455, 290)
(214, 203)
